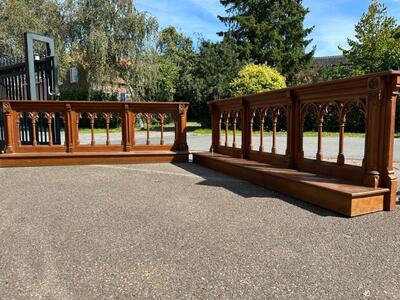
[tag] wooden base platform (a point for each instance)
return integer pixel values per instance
(84, 158)
(331, 193)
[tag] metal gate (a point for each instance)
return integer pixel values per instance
(33, 77)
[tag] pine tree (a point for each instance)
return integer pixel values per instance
(270, 31)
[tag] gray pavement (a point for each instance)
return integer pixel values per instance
(182, 232)
(354, 147)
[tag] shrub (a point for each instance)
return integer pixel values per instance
(256, 79)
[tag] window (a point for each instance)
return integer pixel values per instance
(73, 75)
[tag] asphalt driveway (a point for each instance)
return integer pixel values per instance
(182, 232)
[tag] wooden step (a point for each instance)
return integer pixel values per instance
(87, 158)
(331, 193)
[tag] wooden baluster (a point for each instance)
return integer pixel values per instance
(92, 117)
(18, 129)
(220, 127)
(275, 114)
(34, 118)
(49, 117)
(227, 115)
(321, 111)
(162, 119)
(78, 117)
(262, 113)
(107, 117)
(252, 115)
(342, 122)
(148, 122)
(235, 117)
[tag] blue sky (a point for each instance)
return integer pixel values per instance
(334, 20)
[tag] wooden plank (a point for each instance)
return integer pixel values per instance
(331, 193)
(75, 158)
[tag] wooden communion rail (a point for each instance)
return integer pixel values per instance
(34, 143)
(347, 189)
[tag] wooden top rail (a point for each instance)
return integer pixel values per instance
(375, 95)
(30, 126)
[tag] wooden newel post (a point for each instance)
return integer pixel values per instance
(181, 132)
(10, 130)
(371, 176)
(389, 180)
(247, 129)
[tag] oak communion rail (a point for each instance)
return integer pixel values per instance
(375, 95)
(19, 152)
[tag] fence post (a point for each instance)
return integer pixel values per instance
(389, 180)
(372, 135)
(294, 134)
(181, 129)
(246, 129)
(9, 126)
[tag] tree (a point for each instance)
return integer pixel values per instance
(376, 46)
(40, 16)
(111, 39)
(254, 79)
(271, 32)
(175, 63)
(215, 67)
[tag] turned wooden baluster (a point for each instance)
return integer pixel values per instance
(162, 120)
(49, 117)
(107, 117)
(320, 112)
(235, 118)
(19, 116)
(262, 113)
(275, 114)
(34, 118)
(252, 115)
(92, 117)
(220, 127)
(78, 117)
(342, 123)
(148, 122)
(227, 115)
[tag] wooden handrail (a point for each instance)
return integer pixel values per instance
(376, 94)
(71, 113)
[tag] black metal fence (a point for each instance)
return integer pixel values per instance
(14, 86)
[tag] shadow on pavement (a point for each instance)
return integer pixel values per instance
(247, 189)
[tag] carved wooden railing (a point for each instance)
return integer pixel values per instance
(72, 113)
(375, 94)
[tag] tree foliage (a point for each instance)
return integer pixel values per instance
(216, 65)
(256, 79)
(271, 32)
(111, 39)
(39, 16)
(376, 46)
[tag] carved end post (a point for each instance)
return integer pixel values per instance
(389, 180)
(10, 130)
(181, 141)
(371, 177)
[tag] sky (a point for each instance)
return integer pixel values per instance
(334, 20)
